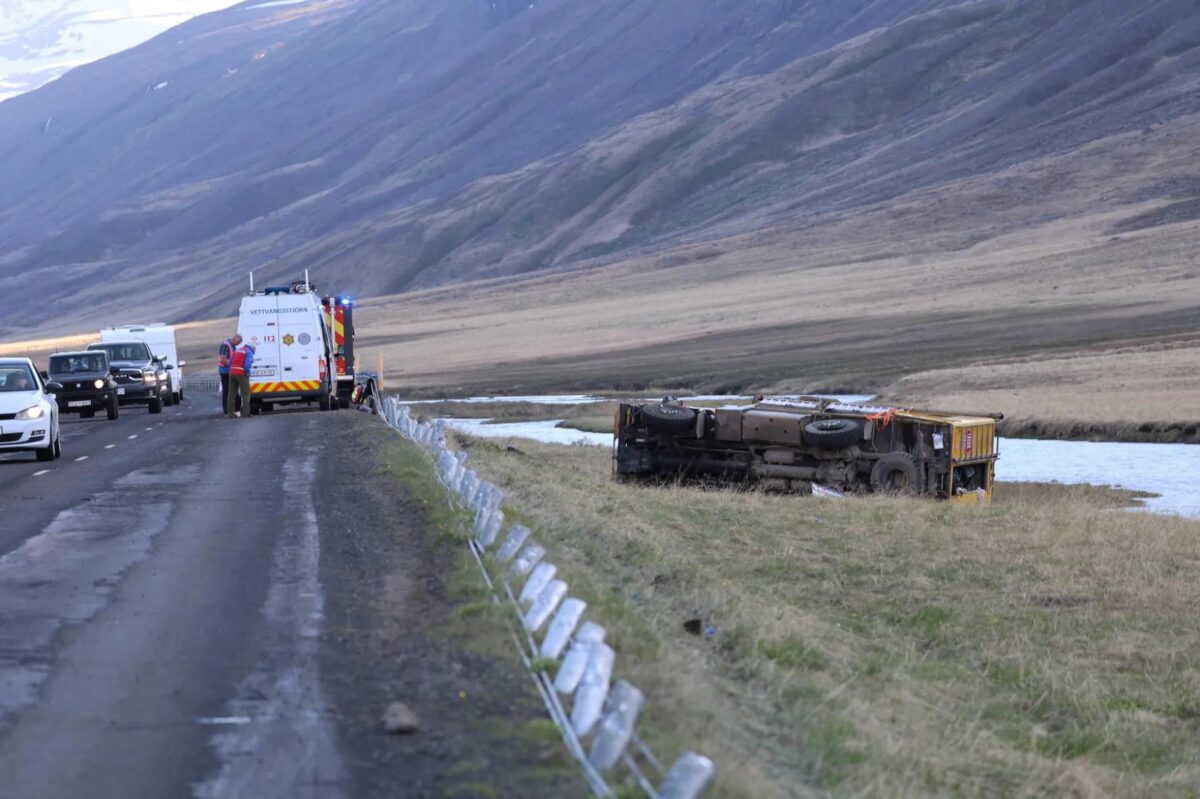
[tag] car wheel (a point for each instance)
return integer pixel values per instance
(832, 433)
(168, 399)
(267, 407)
(323, 403)
(156, 405)
(114, 410)
(667, 417)
(47, 454)
(894, 473)
(179, 396)
(57, 447)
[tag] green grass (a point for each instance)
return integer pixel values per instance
(885, 647)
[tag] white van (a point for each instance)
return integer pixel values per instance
(292, 350)
(160, 337)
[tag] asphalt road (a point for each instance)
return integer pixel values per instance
(193, 606)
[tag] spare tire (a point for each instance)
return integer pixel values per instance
(832, 433)
(894, 473)
(666, 417)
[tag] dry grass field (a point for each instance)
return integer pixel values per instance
(1044, 646)
(1045, 325)
(1138, 392)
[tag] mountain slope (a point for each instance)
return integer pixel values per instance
(389, 144)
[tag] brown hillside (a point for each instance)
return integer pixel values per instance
(397, 144)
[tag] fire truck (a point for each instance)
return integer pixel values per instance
(339, 313)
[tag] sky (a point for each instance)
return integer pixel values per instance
(42, 39)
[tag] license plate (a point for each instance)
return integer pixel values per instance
(81, 404)
(121, 392)
(262, 372)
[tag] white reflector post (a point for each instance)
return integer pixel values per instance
(593, 689)
(687, 778)
(616, 728)
(530, 556)
(515, 540)
(491, 529)
(544, 605)
(543, 573)
(569, 613)
(574, 664)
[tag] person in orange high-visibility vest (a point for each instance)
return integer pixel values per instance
(239, 381)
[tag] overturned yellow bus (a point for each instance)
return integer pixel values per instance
(805, 444)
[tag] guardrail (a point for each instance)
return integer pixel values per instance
(202, 382)
(515, 568)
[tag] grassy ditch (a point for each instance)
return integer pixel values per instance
(1046, 645)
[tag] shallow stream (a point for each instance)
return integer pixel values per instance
(1172, 471)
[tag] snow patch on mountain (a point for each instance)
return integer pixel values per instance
(40, 40)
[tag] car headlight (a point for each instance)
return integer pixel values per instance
(150, 377)
(36, 412)
(99, 384)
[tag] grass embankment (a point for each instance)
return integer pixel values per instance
(1045, 645)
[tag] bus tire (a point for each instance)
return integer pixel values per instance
(832, 433)
(894, 473)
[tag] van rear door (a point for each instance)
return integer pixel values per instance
(259, 326)
(300, 343)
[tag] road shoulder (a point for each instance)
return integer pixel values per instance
(400, 626)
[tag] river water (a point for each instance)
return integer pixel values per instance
(1172, 471)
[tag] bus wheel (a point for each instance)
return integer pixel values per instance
(894, 473)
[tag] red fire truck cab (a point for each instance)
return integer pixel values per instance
(340, 316)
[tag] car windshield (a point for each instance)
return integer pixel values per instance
(124, 352)
(16, 377)
(78, 364)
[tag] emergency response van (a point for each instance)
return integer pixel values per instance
(160, 337)
(292, 348)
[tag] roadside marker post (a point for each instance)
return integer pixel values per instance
(606, 713)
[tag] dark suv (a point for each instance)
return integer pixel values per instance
(87, 385)
(141, 378)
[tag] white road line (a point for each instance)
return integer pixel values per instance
(43, 471)
(148, 429)
(109, 446)
(81, 458)
(210, 721)
(132, 437)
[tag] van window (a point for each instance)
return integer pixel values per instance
(134, 351)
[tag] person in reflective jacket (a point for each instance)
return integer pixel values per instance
(240, 364)
(224, 353)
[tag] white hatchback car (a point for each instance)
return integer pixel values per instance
(28, 411)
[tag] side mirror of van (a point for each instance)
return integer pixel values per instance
(169, 368)
(182, 364)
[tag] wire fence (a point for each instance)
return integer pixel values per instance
(547, 626)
